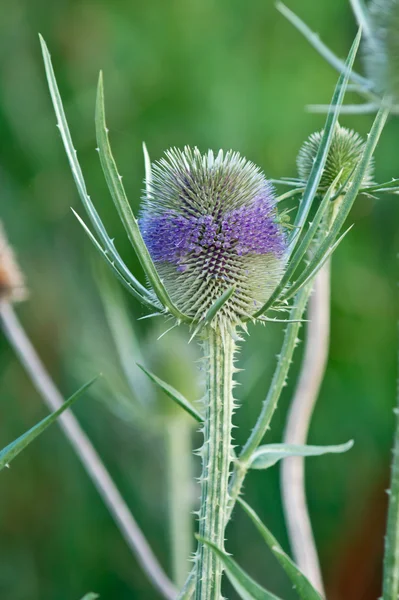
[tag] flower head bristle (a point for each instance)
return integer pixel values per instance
(210, 223)
(345, 153)
(12, 283)
(381, 51)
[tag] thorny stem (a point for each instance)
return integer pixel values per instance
(86, 453)
(391, 558)
(216, 458)
(299, 417)
(263, 422)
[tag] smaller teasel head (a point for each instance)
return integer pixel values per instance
(381, 48)
(344, 154)
(210, 223)
(12, 283)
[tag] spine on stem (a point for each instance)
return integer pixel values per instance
(391, 558)
(216, 455)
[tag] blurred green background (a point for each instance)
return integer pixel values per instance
(217, 74)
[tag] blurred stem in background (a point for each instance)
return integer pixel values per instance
(176, 427)
(391, 557)
(297, 428)
(178, 438)
(86, 453)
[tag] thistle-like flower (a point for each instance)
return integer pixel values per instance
(345, 152)
(381, 56)
(210, 223)
(12, 283)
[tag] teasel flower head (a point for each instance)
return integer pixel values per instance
(12, 283)
(345, 152)
(381, 49)
(210, 222)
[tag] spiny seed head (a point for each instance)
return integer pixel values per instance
(12, 284)
(209, 223)
(345, 153)
(381, 51)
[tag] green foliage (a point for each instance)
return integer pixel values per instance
(173, 394)
(12, 450)
(177, 75)
(245, 586)
(302, 585)
(268, 455)
(109, 251)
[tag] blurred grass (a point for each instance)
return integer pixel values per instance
(212, 74)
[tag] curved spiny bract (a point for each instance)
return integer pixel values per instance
(345, 152)
(210, 223)
(381, 50)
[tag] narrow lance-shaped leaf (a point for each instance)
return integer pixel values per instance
(173, 394)
(320, 160)
(80, 183)
(12, 450)
(268, 455)
(316, 172)
(244, 585)
(321, 48)
(305, 243)
(327, 242)
(279, 377)
(302, 585)
(117, 191)
(307, 274)
(104, 255)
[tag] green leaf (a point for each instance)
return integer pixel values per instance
(307, 274)
(244, 585)
(305, 243)
(316, 173)
(12, 450)
(268, 455)
(328, 243)
(321, 48)
(302, 585)
(174, 394)
(279, 377)
(111, 264)
(117, 191)
(319, 163)
(90, 596)
(119, 266)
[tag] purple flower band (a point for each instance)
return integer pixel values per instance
(174, 238)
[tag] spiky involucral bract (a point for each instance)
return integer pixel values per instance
(381, 52)
(209, 223)
(345, 153)
(12, 283)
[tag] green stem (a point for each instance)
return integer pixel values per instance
(263, 422)
(178, 442)
(391, 559)
(216, 459)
